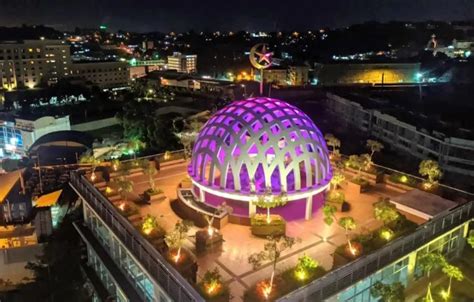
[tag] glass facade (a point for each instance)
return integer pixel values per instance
(360, 292)
(448, 244)
(123, 258)
(11, 141)
(105, 276)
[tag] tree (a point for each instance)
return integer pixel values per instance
(470, 239)
(124, 186)
(359, 162)
(385, 211)
(268, 201)
(430, 169)
(92, 160)
(333, 142)
(348, 224)
(452, 272)
(329, 212)
(134, 145)
(150, 171)
(176, 238)
(388, 292)
(57, 271)
(149, 224)
(271, 252)
(373, 146)
(188, 134)
(337, 179)
(429, 261)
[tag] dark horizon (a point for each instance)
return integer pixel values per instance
(211, 15)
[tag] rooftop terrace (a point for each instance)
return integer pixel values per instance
(315, 238)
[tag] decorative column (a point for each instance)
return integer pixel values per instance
(309, 207)
(252, 209)
(202, 195)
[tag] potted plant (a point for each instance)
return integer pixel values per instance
(262, 226)
(358, 184)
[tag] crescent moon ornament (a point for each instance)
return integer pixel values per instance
(259, 57)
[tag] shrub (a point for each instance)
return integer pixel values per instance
(360, 181)
(211, 286)
(335, 196)
(305, 267)
(261, 219)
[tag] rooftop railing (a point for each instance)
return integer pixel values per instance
(344, 276)
(160, 270)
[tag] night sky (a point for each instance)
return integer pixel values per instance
(182, 15)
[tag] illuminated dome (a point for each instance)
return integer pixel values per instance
(259, 143)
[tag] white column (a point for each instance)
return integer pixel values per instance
(252, 209)
(202, 195)
(309, 207)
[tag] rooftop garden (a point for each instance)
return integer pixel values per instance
(131, 186)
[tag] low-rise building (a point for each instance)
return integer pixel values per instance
(454, 154)
(103, 74)
(278, 76)
(17, 136)
(335, 74)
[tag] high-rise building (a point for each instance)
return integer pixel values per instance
(182, 63)
(28, 63)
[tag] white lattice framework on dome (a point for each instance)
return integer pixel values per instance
(260, 143)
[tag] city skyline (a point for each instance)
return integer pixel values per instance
(244, 15)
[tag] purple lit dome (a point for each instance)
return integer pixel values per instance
(260, 143)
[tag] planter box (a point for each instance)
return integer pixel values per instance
(372, 178)
(402, 188)
(265, 230)
(355, 188)
(187, 267)
(205, 242)
(147, 196)
(340, 206)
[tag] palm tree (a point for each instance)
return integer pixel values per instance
(452, 272)
(427, 263)
(348, 224)
(271, 252)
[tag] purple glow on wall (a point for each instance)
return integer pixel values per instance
(265, 140)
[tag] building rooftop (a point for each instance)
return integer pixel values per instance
(318, 240)
(443, 109)
(424, 202)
